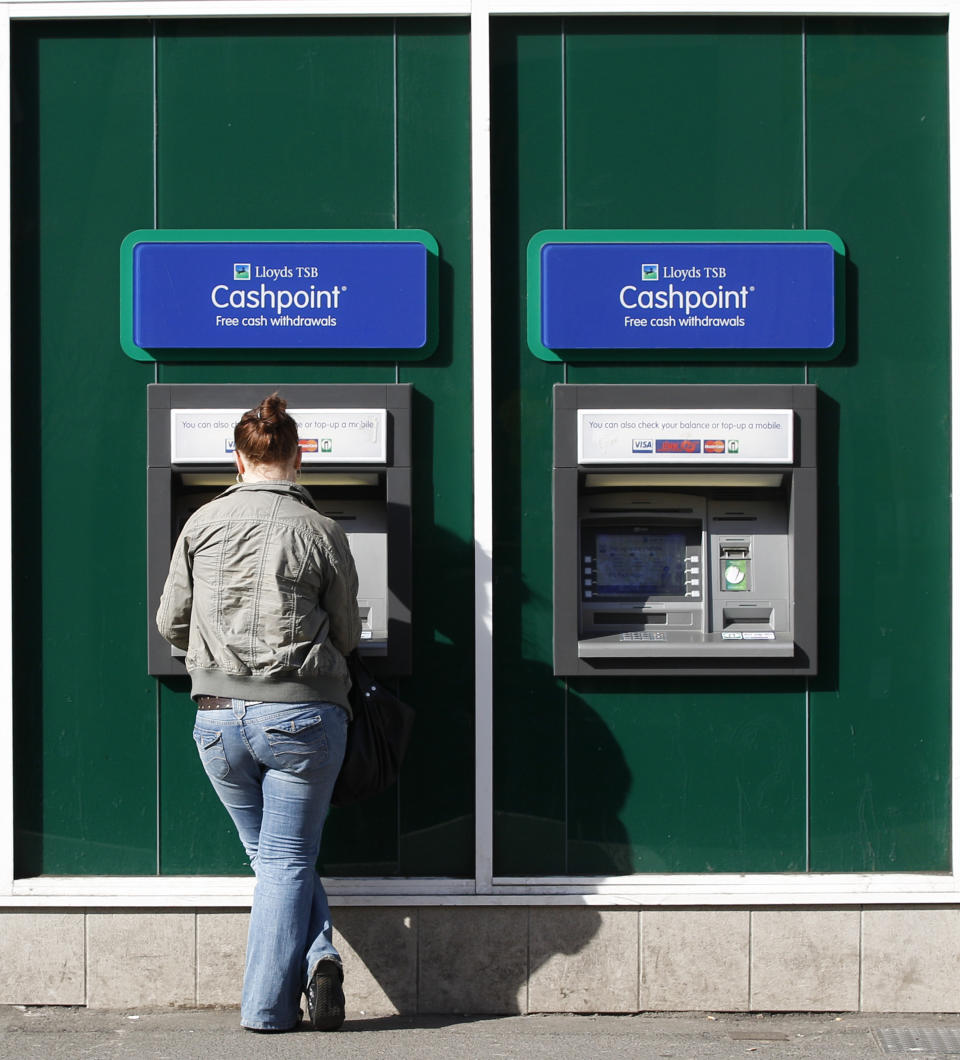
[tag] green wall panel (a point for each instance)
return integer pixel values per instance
(529, 719)
(702, 776)
(880, 714)
(82, 142)
(699, 123)
(684, 123)
(266, 123)
(436, 804)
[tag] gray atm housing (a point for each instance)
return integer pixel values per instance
(758, 518)
(370, 501)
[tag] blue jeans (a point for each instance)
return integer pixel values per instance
(274, 765)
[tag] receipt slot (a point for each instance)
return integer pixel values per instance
(685, 530)
(355, 440)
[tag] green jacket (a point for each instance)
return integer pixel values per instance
(262, 596)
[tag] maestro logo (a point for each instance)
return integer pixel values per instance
(241, 270)
(678, 445)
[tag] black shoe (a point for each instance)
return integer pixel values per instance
(325, 997)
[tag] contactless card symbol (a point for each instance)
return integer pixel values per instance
(649, 272)
(735, 575)
(642, 445)
(241, 270)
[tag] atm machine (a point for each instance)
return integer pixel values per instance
(355, 441)
(685, 530)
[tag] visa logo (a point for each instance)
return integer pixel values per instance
(642, 445)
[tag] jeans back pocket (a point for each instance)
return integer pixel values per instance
(299, 744)
(213, 755)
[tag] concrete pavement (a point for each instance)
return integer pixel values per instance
(208, 1034)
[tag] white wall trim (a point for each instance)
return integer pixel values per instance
(482, 8)
(236, 8)
(482, 274)
(706, 7)
(6, 491)
(953, 66)
(675, 890)
(695, 889)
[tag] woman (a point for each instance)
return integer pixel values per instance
(262, 595)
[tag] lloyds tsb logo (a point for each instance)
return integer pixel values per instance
(241, 270)
(650, 272)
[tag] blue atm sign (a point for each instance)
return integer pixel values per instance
(634, 295)
(298, 292)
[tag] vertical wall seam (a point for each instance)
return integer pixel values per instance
(807, 701)
(526, 998)
(803, 114)
(860, 965)
(563, 121)
(196, 957)
(86, 957)
(804, 192)
(156, 127)
(808, 764)
(157, 767)
(749, 960)
(639, 1007)
(156, 224)
(396, 130)
(566, 773)
(563, 144)
(396, 177)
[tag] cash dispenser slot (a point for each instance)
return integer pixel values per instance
(748, 616)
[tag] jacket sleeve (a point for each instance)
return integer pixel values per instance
(340, 595)
(176, 601)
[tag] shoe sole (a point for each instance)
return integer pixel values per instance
(327, 1011)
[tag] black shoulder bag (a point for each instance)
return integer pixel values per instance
(376, 740)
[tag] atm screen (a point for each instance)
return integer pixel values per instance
(646, 563)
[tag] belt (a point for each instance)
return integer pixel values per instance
(213, 702)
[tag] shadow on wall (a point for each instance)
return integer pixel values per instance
(562, 781)
(460, 957)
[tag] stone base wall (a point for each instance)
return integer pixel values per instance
(472, 959)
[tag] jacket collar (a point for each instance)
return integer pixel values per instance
(283, 486)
